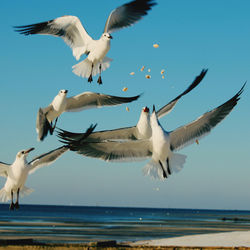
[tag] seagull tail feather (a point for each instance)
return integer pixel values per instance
(153, 169)
(176, 162)
(4, 196)
(26, 191)
(157, 170)
(83, 68)
(42, 125)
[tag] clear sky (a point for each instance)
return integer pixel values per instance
(192, 35)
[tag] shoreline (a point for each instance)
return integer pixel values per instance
(231, 240)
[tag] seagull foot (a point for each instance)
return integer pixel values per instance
(99, 80)
(16, 205)
(90, 79)
(12, 206)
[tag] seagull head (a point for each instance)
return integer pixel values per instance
(23, 153)
(106, 36)
(63, 92)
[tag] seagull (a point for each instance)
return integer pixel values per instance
(62, 103)
(74, 34)
(161, 146)
(142, 130)
(17, 172)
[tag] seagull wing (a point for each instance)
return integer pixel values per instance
(168, 108)
(129, 133)
(89, 100)
(46, 159)
(4, 167)
(113, 150)
(202, 126)
(42, 124)
(67, 27)
(127, 14)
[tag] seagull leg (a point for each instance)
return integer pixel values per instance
(100, 78)
(90, 79)
(17, 199)
(163, 170)
(169, 171)
(53, 127)
(12, 203)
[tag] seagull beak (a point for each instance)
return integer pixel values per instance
(146, 109)
(110, 37)
(28, 150)
(153, 108)
(66, 91)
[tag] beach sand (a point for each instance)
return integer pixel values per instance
(216, 240)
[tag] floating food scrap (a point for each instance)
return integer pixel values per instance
(197, 142)
(148, 76)
(127, 109)
(149, 70)
(132, 73)
(156, 45)
(125, 89)
(163, 77)
(162, 71)
(142, 68)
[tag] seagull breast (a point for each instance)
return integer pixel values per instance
(59, 103)
(98, 50)
(143, 126)
(160, 140)
(17, 175)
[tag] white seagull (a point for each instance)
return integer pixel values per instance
(143, 128)
(161, 146)
(74, 34)
(62, 103)
(17, 172)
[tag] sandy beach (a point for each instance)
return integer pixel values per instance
(230, 239)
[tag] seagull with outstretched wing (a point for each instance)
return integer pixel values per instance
(17, 172)
(61, 103)
(74, 34)
(142, 130)
(161, 146)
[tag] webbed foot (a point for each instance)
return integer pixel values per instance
(90, 79)
(99, 80)
(12, 206)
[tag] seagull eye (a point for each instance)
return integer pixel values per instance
(22, 152)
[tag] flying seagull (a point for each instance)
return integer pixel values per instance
(74, 34)
(143, 129)
(161, 146)
(17, 172)
(62, 103)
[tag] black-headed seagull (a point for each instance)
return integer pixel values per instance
(61, 103)
(17, 172)
(74, 34)
(142, 130)
(161, 146)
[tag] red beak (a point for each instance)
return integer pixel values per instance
(146, 109)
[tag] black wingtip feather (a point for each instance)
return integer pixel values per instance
(73, 144)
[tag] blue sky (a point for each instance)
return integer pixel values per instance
(192, 35)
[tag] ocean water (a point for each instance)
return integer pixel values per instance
(85, 224)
